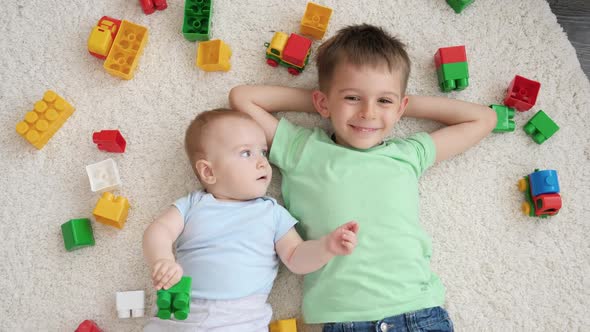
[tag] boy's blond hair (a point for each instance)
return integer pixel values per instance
(361, 45)
(195, 137)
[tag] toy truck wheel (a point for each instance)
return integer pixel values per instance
(523, 185)
(526, 208)
(272, 63)
(293, 71)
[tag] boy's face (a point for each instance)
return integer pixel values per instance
(363, 104)
(236, 166)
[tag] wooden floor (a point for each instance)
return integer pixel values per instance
(574, 17)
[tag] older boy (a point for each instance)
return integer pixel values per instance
(357, 173)
(228, 235)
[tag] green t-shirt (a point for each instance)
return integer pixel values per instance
(326, 185)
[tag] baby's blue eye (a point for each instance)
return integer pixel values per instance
(246, 153)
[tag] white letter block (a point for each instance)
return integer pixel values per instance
(130, 304)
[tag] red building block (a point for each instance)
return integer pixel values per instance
(150, 6)
(522, 93)
(110, 141)
(296, 50)
(450, 55)
(88, 326)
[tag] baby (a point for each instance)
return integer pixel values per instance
(228, 234)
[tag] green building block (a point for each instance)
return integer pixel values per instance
(197, 19)
(540, 127)
(77, 234)
(453, 76)
(175, 300)
(505, 118)
(459, 5)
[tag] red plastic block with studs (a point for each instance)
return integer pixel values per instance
(451, 54)
(88, 326)
(522, 93)
(109, 141)
(150, 6)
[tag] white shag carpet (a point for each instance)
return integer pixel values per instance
(503, 271)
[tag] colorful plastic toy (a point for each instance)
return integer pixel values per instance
(213, 55)
(175, 300)
(505, 118)
(451, 68)
(103, 176)
(111, 210)
(285, 325)
(77, 233)
(131, 304)
(47, 116)
(288, 51)
(102, 36)
(150, 6)
(88, 326)
(110, 141)
(459, 5)
(540, 127)
(315, 20)
(197, 19)
(541, 190)
(522, 93)
(126, 50)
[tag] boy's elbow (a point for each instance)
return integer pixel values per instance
(237, 97)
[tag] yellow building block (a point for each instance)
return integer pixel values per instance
(111, 210)
(213, 55)
(47, 116)
(315, 21)
(126, 50)
(285, 325)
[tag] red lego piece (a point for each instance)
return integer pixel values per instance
(160, 4)
(150, 6)
(522, 93)
(450, 55)
(88, 326)
(110, 141)
(296, 50)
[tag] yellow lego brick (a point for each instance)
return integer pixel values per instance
(126, 50)
(285, 325)
(111, 210)
(47, 116)
(213, 55)
(315, 20)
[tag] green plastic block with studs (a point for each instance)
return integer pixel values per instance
(540, 127)
(176, 300)
(505, 118)
(197, 19)
(77, 234)
(459, 5)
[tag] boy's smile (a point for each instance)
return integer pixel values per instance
(363, 103)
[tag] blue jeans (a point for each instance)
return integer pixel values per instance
(431, 319)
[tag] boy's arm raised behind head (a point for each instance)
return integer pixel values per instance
(467, 123)
(259, 100)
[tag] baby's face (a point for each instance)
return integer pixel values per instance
(363, 104)
(237, 151)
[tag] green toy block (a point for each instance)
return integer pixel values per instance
(197, 19)
(540, 127)
(175, 300)
(453, 76)
(505, 118)
(459, 5)
(77, 233)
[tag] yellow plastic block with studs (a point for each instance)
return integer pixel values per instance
(126, 50)
(285, 325)
(315, 20)
(111, 210)
(213, 55)
(47, 116)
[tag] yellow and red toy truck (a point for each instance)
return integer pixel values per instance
(288, 51)
(102, 36)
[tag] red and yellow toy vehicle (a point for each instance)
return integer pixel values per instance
(102, 36)
(542, 193)
(288, 51)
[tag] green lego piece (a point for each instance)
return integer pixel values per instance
(453, 76)
(197, 19)
(175, 300)
(459, 5)
(540, 127)
(505, 118)
(77, 233)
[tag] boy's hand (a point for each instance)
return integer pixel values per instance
(342, 240)
(166, 273)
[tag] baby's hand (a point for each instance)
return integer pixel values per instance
(166, 273)
(342, 240)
